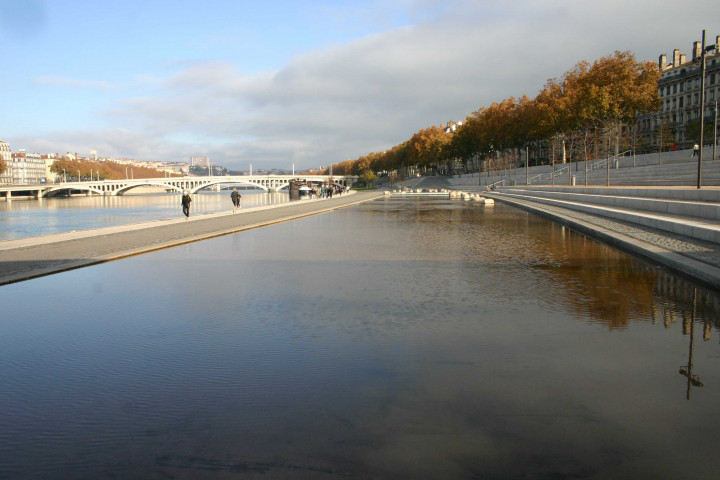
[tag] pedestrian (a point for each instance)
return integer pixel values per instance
(235, 196)
(696, 150)
(186, 203)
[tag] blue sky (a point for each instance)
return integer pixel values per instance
(276, 83)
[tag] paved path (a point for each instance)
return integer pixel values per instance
(689, 256)
(27, 258)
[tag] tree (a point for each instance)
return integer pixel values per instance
(589, 100)
(425, 148)
(106, 170)
(367, 177)
(3, 166)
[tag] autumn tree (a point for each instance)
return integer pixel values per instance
(3, 166)
(425, 148)
(588, 99)
(610, 92)
(106, 170)
(367, 177)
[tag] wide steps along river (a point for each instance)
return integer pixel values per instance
(678, 227)
(691, 212)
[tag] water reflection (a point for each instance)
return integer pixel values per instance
(395, 339)
(687, 370)
(29, 218)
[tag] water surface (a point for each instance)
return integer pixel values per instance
(395, 339)
(28, 218)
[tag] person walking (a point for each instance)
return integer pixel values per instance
(696, 150)
(235, 196)
(186, 203)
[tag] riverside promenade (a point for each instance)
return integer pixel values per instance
(33, 257)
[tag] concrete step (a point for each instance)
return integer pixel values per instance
(704, 228)
(686, 194)
(705, 209)
(670, 168)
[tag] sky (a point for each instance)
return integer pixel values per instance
(281, 83)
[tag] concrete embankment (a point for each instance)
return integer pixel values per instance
(33, 257)
(677, 228)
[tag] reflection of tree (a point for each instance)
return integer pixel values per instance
(605, 286)
(598, 282)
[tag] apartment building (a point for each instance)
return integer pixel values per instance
(27, 168)
(676, 124)
(6, 156)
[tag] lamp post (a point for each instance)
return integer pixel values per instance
(702, 104)
(715, 132)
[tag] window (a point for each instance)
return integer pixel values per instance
(681, 102)
(674, 87)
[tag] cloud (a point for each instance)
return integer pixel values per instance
(369, 94)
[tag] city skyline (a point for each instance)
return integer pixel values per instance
(303, 83)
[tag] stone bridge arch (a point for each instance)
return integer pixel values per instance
(120, 190)
(69, 188)
(231, 181)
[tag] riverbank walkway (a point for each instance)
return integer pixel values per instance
(27, 258)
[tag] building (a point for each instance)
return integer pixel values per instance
(5, 156)
(200, 162)
(27, 168)
(676, 125)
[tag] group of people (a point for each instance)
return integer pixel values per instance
(325, 192)
(186, 199)
(329, 190)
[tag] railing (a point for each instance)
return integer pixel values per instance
(597, 165)
(603, 161)
(492, 185)
(550, 175)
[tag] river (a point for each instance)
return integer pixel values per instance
(28, 218)
(400, 338)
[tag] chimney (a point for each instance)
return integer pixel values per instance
(676, 57)
(663, 62)
(683, 58)
(696, 51)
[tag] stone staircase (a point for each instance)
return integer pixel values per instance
(690, 212)
(677, 168)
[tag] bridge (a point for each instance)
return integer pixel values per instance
(270, 183)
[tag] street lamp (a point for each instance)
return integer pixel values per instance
(715, 132)
(703, 50)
